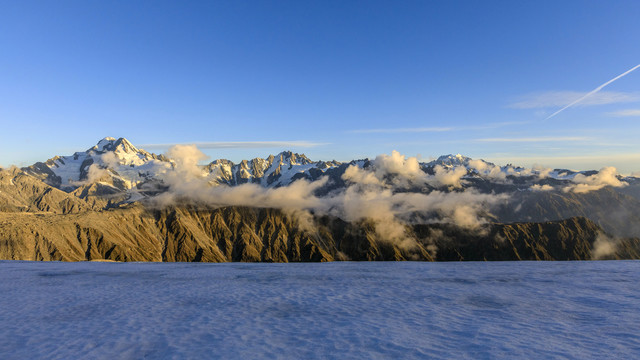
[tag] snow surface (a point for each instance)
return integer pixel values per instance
(103, 143)
(287, 174)
(575, 310)
(68, 168)
(135, 166)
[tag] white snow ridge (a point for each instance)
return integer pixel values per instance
(407, 310)
(121, 165)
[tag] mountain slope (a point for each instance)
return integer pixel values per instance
(20, 192)
(115, 201)
(253, 234)
(615, 212)
(117, 162)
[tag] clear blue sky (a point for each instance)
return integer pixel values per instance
(349, 79)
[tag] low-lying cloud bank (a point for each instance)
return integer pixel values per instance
(396, 170)
(390, 193)
(604, 246)
(607, 176)
(376, 193)
(393, 191)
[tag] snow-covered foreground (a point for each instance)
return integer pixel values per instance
(336, 310)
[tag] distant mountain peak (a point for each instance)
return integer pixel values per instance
(292, 158)
(456, 157)
(457, 160)
(123, 145)
(108, 143)
(451, 160)
(103, 145)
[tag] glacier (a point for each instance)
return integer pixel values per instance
(347, 310)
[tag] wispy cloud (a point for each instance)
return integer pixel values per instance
(402, 130)
(534, 139)
(239, 144)
(439, 129)
(593, 92)
(625, 113)
(625, 162)
(562, 98)
(495, 125)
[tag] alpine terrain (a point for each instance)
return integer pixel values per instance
(117, 202)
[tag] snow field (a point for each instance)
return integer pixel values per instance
(575, 310)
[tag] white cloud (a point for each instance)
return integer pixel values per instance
(479, 165)
(399, 171)
(402, 130)
(374, 194)
(535, 139)
(240, 144)
(109, 159)
(447, 177)
(569, 99)
(593, 92)
(603, 247)
(357, 175)
(541, 171)
(371, 195)
(625, 113)
(562, 98)
(187, 157)
(537, 187)
(625, 162)
(607, 176)
(488, 170)
(398, 164)
(404, 171)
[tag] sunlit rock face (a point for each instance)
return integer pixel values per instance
(116, 201)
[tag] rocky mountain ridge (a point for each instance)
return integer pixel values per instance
(127, 167)
(107, 209)
(269, 235)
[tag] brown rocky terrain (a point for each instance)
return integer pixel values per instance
(39, 222)
(255, 234)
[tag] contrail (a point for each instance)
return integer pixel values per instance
(593, 91)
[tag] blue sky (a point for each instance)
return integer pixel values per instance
(337, 79)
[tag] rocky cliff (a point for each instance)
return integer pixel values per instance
(269, 235)
(41, 222)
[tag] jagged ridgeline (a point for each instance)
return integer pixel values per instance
(117, 202)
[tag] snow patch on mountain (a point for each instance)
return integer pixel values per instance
(118, 163)
(117, 158)
(272, 171)
(450, 161)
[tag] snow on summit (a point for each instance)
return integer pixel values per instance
(119, 160)
(104, 143)
(451, 160)
(110, 157)
(118, 163)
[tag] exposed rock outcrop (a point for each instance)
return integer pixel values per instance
(97, 221)
(254, 234)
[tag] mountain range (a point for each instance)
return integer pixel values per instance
(115, 201)
(131, 167)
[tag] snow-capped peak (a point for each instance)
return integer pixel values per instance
(103, 144)
(121, 145)
(119, 158)
(451, 160)
(292, 158)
